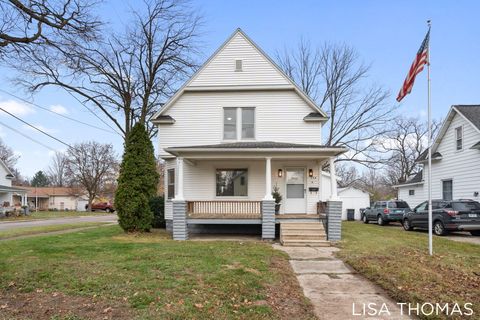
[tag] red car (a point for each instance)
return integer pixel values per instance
(105, 206)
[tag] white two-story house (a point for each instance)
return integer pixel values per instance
(238, 129)
(455, 160)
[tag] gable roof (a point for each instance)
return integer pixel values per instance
(9, 172)
(290, 83)
(471, 113)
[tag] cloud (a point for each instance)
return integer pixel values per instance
(59, 109)
(39, 126)
(17, 108)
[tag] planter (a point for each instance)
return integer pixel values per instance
(277, 208)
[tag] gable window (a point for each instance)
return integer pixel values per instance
(447, 189)
(232, 182)
(238, 123)
(411, 192)
(170, 183)
(459, 138)
(238, 65)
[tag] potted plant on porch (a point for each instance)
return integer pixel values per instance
(277, 197)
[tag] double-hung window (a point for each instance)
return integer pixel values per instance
(238, 123)
(459, 138)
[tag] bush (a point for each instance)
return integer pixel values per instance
(137, 182)
(157, 206)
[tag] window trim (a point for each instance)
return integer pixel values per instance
(239, 124)
(411, 192)
(170, 174)
(457, 139)
(229, 168)
(237, 62)
(444, 180)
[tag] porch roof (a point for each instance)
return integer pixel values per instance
(258, 149)
(11, 189)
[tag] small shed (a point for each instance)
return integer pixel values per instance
(353, 199)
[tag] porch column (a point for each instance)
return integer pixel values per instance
(268, 179)
(180, 227)
(179, 190)
(333, 181)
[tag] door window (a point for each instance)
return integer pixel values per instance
(295, 183)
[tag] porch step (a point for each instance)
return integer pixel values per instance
(303, 234)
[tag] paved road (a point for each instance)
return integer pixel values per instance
(9, 225)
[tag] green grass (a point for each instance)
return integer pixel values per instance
(4, 234)
(155, 277)
(53, 214)
(399, 262)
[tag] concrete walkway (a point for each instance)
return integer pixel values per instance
(335, 290)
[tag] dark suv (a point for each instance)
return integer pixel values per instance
(386, 211)
(452, 215)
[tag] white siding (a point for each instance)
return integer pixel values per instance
(3, 174)
(69, 202)
(199, 118)
(419, 196)
(353, 199)
(460, 166)
(257, 70)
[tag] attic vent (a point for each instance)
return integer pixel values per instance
(238, 65)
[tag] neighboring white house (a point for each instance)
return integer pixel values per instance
(7, 192)
(235, 130)
(455, 160)
(353, 199)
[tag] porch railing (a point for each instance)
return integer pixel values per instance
(224, 209)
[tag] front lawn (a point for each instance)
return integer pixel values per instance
(53, 214)
(23, 231)
(399, 262)
(104, 273)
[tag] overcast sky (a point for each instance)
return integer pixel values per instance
(387, 35)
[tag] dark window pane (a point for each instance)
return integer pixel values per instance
(447, 190)
(399, 204)
(232, 182)
(466, 206)
(248, 123)
(171, 183)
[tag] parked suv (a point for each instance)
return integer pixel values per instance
(452, 215)
(386, 211)
(106, 206)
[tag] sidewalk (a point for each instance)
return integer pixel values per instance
(334, 288)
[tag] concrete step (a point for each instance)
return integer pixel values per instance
(306, 232)
(297, 226)
(307, 243)
(303, 237)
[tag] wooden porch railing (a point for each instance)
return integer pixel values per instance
(224, 209)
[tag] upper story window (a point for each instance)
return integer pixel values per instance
(459, 138)
(238, 123)
(238, 65)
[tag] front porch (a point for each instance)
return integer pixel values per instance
(233, 186)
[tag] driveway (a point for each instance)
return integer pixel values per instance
(9, 225)
(335, 290)
(459, 236)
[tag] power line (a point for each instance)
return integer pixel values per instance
(26, 136)
(91, 111)
(57, 113)
(32, 126)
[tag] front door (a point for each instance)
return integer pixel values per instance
(295, 201)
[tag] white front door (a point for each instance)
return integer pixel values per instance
(295, 201)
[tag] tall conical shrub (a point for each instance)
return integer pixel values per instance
(137, 182)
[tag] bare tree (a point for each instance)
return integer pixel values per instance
(24, 23)
(348, 174)
(8, 156)
(335, 78)
(403, 145)
(57, 171)
(92, 166)
(373, 181)
(127, 76)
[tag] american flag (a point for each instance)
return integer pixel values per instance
(417, 66)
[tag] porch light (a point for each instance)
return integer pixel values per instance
(280, 173)
(310, 173)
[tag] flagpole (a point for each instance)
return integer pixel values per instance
(429, 144)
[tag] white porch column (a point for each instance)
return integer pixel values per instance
(333, 181)
(268, 179)
(179, 183)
